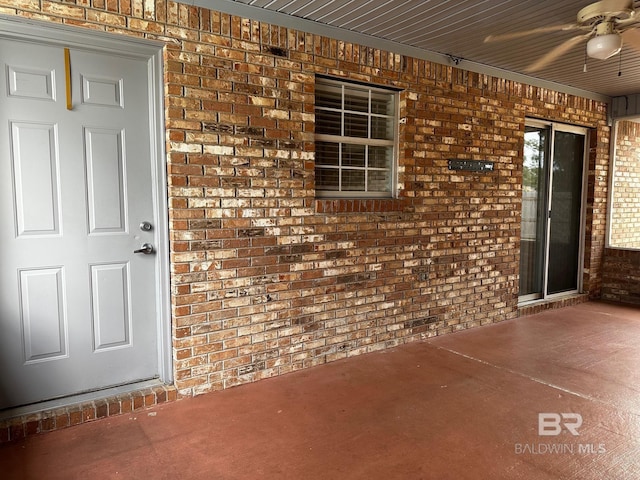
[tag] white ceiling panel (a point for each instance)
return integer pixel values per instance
(441, 29)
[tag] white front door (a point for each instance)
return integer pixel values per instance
(77, 305)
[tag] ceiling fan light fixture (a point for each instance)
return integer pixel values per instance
(604, 46)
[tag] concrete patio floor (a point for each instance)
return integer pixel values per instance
(461, 406)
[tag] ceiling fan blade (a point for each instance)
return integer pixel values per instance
(524, 33)
(556, 52)
(631, 37)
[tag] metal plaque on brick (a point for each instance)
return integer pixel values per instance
(471, 165)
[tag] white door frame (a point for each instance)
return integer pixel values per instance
(14, 28)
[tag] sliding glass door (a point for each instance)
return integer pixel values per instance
(550, 248)
(534, 212)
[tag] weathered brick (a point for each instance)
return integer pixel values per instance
(268, 279)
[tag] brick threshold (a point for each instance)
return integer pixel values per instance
(561, 302)
(19, 423)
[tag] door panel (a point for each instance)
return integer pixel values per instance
(104, 164)
(534, 213)
(102, 91)
(31, 82)
(77, 306)
(43, 318)
(35, 178)
(111, 311)
(566, 204)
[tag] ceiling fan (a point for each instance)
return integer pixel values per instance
(607, 23)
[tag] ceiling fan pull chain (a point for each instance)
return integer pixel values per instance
(620, 63)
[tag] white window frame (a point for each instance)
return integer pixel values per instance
(366, 141)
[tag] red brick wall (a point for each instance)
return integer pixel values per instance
(265, 278)
(596, 210)
(621, 276)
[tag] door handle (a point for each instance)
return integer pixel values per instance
(146, 248)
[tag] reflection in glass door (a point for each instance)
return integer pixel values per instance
(565, 212)
(534, 212)
(550, 248)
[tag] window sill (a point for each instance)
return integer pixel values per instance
(360, 205)
(614, 249)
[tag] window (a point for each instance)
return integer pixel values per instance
(624, 210)
(356, 138)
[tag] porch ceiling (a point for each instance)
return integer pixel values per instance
(455, 30)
